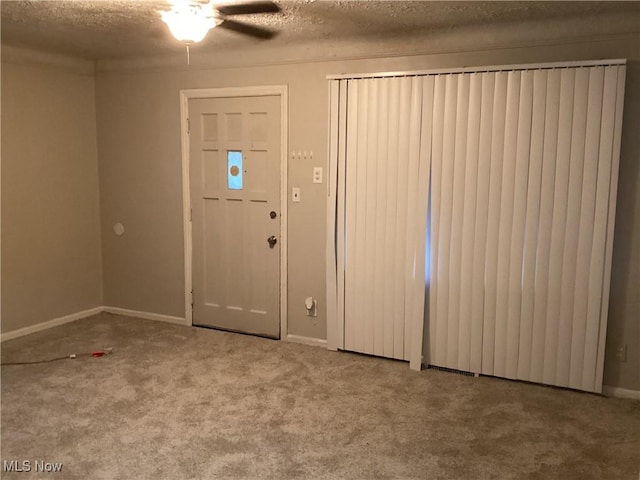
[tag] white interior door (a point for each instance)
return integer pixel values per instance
(235, 201)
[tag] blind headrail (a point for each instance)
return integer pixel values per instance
(481, 69)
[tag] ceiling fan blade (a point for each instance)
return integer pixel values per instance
(248, 8)
(247, 29)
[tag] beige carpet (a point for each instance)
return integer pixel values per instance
(177, 402)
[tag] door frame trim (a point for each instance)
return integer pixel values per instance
(226, 92)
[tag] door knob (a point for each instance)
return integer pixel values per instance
(272, 241)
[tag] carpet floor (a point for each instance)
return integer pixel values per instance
(176, 402)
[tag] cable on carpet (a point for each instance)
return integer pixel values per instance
(96, 354)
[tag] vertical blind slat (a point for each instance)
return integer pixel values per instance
(574, 194)
(446, 185)
(371, 168)
(437, 327)
(493, 222)
(401, 226)
(381, 252)
(341, 211)
(558, 224)
(415, 128)
(459, 142)
(361, 206)
(350, 221)
(506, 219)
(519, 201)
(468, 238)
(394, 116)
(482, 213)
(532, 218)
(543, 247)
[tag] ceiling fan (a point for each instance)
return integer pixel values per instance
(190, 20)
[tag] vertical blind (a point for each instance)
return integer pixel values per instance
(386, 182)
(519, 169)
(523, 190)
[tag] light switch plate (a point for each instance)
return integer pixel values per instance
(295, 194)
(317, 174)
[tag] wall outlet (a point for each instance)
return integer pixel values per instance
(311, 304)
(317, 174)
(620, 353)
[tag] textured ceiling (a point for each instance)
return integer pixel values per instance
(116, 29)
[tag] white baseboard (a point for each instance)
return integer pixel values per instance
(145, 315)
(314, 342)
(620, 392)
(21, 332)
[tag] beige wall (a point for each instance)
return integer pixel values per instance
(51, 262)
(140, 178)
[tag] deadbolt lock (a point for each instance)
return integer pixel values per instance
(273, 214)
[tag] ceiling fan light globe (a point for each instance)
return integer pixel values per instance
(188, 26)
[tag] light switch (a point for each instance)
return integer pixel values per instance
(295, 194)
(317, 174)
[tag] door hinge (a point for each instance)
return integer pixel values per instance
(188, 126)
(191, 299)
(190, 214)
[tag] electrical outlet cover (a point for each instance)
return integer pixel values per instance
(317, 174)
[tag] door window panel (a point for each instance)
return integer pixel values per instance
(234, 170)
